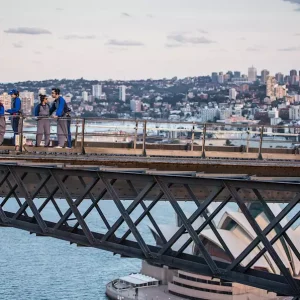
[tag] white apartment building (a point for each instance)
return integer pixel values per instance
(122, 93)
(232, 94)
(136, 105)
(294, 112)
(97, 90)
(252, 74)
(208, 114)
(85, 96)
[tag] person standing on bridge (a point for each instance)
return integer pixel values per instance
(42, 111)
(2, 123)
(61, 110)
(15, 113)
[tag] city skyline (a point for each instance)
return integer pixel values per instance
(146, 39)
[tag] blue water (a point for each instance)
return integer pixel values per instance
(49, 269)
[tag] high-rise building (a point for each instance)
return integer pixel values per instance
(122, 93)
(221, 78)
(136, 105)
(264, 74)
(214, 77)
(252, 74)
(5, 99)
(237, 74)
(97, 90)
(294, 112)
(293, 73)
(294, 79)
(271, 82)
(280, 91)
(27, 102)
(209, 114)
(232, 94)
(85, 96)
(279, 78)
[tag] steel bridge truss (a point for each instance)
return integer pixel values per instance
(71, 195)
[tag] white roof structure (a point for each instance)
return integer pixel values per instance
(237, 233)
(138, 279)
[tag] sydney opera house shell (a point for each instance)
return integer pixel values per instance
(237, 234)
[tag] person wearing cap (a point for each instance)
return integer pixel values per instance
(61, 110)
(42, 111)
(2, 123)
(15, 112)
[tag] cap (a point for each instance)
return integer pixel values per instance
(12, 92)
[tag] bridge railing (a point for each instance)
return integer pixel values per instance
(164, 135)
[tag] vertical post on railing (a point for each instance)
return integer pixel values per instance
(76, 134)
(144, 138)
(20, 133)
(135, 134)
(248, 136)
(193, 137)
(260, 143)
(203, 141)
(82, 137)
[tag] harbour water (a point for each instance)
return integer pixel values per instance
(41, 268)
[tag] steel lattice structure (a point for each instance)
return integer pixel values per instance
(24, 185)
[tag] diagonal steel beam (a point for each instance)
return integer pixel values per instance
(273, 240)
(129, 210)
(77, 202)
(188, 226)
(211, 224)
(266, 231)
(149, 215)
(95, 205)
(51, 197)
(29, 200)
(262, 237)
(126, 217)
(26, 204)
(144, 213)
(285, 239)
(192, 219)
(12, 190)
(73, 206)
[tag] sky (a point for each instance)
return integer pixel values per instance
(140, 39)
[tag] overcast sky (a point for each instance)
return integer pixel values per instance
(135, 39)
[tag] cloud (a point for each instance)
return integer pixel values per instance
(27, 30)
(294, 2)
(18, 44)
(126, 15)
(290, 49)
(185, 39)
(150, 16)
(173, 45)
(202, 31)
(79, 37)
(252, 49)
(124, 43)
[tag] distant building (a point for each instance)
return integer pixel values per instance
(237, 74)
(293, 73)
(27, 102)
(5, 99)
(225, 113)
(279, 78)
(97, 90)
(122, 93)
(214, 77)
(209, 114)
(264, 74)
(280, 91)
(42, 91)
(294, 112)
(232, 94)
(252, 74)
(221, 78)
(271, 82)
(136, 105)
(85, 96)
